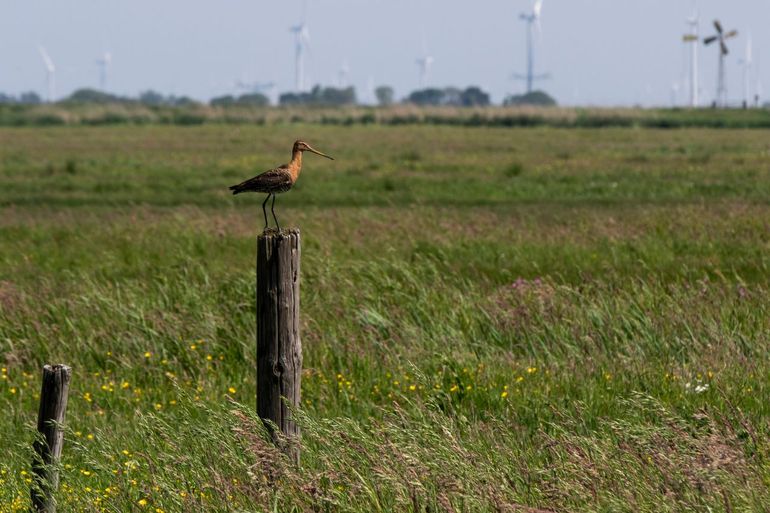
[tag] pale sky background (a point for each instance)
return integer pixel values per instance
(599, 52)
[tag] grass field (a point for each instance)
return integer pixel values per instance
(493, 319)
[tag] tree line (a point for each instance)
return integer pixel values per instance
(318, 96)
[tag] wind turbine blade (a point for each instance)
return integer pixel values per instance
(537, 8)
(725, 51)
(710, 40)
(718, 26)
(749, 51)
(47, 61)
(730, 34)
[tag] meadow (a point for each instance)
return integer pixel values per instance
(493, 319)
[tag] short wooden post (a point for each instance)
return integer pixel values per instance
(279, 351)
(48, 445)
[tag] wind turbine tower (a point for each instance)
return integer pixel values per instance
(721, 36)
(748, 64)
(342, 75)
(424, 64)
(532, 19)
(692, 39)
(301, 46)
(104, 62)
(50, 73)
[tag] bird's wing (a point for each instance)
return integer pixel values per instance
(277, 179)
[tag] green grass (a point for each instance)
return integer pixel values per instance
(492, 319)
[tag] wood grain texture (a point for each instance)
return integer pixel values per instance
(48, 444)
(279, 350)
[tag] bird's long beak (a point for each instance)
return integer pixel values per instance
(319, 153)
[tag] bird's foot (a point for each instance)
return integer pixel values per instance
(272, 231)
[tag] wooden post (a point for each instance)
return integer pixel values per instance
(48, 445)
(279, 351)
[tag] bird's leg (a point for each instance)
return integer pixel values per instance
(264, 210)
(272, 209)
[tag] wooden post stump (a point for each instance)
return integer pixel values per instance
(279, 351)
(48, 445)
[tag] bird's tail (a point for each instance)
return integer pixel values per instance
(237, 189)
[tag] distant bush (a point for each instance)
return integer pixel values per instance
(27, 98)
(156, 99)
(47, 119)
(540, 98)
(450, 96)
(246, 100)
(514, 170)
(321, 96)
(94, 96)
(385, 95)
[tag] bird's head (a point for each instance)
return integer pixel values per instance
(303, 146)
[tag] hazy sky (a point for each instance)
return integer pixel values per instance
(600, 52)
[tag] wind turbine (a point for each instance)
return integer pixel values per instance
(266, 88)
(675, 87)
(748, 64)
(721, 36)
(758, 91)
(532, 19)
(692, 39)
(301, 46)
(424, 64)
(103, 62)
(370, 94)
(342, 75)
(50, 72)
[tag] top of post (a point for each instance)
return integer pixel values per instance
(272, 233)
(65, 369)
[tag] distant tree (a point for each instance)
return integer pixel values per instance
(93, 96)
(540, 98)
(452, 96)
(181, 101)
(30, 98)
(253, 100)
(326, 96)
(151, 98)
(474, 97)
(293, 98)
(335, 96)
(385, 95)
(223, 101)
(246, 100)
(430, 96)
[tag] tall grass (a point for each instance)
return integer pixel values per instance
(589, 333)
(402, 114)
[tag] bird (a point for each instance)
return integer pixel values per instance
(278, 180)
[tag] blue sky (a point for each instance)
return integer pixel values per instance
(599, 52)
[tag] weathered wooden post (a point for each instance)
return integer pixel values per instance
(48, 444)
(279, 351)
